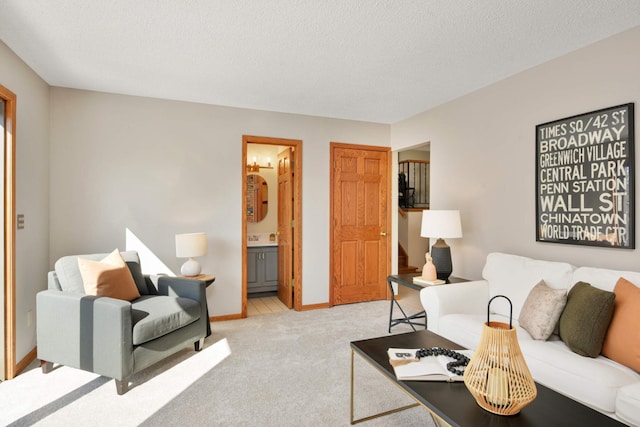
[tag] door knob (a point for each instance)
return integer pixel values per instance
(383, 233)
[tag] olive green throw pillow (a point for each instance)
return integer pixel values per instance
(585, 319)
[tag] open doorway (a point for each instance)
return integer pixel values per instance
(271, 223)
(413, 197)
(414, 166)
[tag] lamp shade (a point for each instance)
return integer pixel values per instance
(191, 245)
(443, 224)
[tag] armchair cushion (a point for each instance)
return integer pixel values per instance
(109, 277)
(70, 280)
(158, 315)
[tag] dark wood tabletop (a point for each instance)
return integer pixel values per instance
(454, 403)
(407, 280)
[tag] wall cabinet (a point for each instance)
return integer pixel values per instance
(262, 269)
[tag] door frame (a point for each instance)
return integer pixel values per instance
(332, 179)
(10, 367)
(297, 215)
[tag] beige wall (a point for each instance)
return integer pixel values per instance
(418, 246)
(32, 190)
(483, 151)
(163, 167)
(413, 155)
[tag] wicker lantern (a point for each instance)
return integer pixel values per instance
(497, 375)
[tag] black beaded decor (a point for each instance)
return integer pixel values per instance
(454, 367)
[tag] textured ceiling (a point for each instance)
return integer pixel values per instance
(372, 60)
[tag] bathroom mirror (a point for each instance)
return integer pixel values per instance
(257, 198)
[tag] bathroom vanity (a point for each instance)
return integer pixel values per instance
(262, 269)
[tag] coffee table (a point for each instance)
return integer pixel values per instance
(452, 404)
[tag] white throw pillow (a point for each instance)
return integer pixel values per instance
(541, 310)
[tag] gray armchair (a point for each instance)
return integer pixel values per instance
(112, 337)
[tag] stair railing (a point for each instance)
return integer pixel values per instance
(416, 177)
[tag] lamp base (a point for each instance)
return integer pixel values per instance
(190, 268)
(441, 257)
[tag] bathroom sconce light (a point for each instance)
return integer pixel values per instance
(255, 167)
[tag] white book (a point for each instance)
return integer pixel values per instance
(408, 367)
(418, 280)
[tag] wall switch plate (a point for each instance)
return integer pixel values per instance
(20, 221)
(29, 318)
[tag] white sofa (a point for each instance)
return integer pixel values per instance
(458, 312)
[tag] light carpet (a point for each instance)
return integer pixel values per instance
(279, 369)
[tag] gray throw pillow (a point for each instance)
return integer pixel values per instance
(138, 277)
(586, 318)
(541, 310)
(133, 262)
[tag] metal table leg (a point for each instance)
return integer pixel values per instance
(410, 320)
(378, 415)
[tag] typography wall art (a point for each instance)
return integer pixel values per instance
(585, 179)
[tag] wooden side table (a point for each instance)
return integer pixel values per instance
(208, 279)
(417, 319)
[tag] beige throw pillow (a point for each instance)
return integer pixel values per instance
(541, 310)
(108, 278)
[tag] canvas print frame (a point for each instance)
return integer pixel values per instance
(585, 179)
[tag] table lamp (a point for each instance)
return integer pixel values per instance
(441, 224)
(191, 245)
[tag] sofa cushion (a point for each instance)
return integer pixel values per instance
(514, 276)
(109, 277)
(592, 381)
(541, 310)
(628, 404)
(156, 315)
(466, 329)
(69, 276)
(603, 278)
(622, 342)
(585, 319)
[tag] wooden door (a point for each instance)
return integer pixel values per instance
(285, 227)
(3, 104)
(360, 220)
(8, 364)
